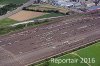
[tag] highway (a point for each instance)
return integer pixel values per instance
(30, 2)
(35, 44)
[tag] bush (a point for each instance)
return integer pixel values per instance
(19, 27)
(5, 30)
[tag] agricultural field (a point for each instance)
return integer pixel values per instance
(6, 22)
(49, 15)
(91, 53)
(12, 1)
(26, 15)
(47, 8)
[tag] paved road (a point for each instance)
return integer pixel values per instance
(38, 43)
(30, 2)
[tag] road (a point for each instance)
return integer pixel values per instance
(35, 44)
(30, 2)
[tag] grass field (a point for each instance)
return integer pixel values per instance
(6, 22)
(49, 15)
(12, 1)
(89, 52)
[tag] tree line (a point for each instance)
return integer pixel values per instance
(8, 7)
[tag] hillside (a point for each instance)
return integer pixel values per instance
(12, 1)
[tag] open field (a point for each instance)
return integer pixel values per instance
(35, 44)
(91, 52)
(88, 52)
(6, 22)
(49, 15)
(13, 1)
(26, 15)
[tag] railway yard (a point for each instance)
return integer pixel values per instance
(35, 44)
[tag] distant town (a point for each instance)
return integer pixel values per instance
(74, 4)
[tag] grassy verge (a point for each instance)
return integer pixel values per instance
(91, 55)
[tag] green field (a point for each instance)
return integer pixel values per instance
(12, 1)
(49, 15)
(92, 52)
(6, 22)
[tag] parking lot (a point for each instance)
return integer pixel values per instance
(42, 42)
